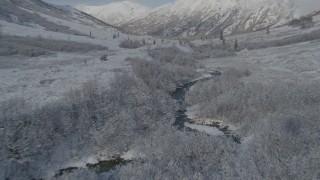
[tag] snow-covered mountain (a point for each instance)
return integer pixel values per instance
(210, 17)
(117, 13)
(42, 15)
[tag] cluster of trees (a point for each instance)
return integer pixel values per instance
(116, 35)
(131, 44)
(212, 51)
(170, 69)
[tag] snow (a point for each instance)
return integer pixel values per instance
(206, 129)
(21, 76)
(132, 154)
(117, 13)
(68, 70)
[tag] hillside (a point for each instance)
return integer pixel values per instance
(38, 14)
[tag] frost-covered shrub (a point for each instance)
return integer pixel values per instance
(180, 155)
(303, 22)
(88, 120)
(31, 52)
(130, 44)
(281, 42)
(212, 51)
(279, 122)
(173, 55)
(12, 49)
(169, 69)
(236, 72)
(165, 76)
(104, 57)
(27, 46)
(231, 98)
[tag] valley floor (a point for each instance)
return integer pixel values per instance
(132, 99)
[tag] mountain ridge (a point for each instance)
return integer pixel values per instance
(208, 17)
(200, 18)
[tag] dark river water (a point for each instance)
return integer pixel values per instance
(181, 118)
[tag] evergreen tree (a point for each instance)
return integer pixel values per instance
(221, 36)
(236, 44)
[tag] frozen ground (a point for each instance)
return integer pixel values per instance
(46, 78)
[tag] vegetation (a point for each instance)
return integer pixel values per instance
(314, 35)
(170, 69)
(86, 120)
(28, 46)
(278, 121)
(130, 44)
(212, 51)
(303, 22)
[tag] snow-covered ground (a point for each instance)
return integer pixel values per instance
(46, 78)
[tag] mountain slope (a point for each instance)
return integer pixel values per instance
(38, 14)
(117, 13)
(209, 17)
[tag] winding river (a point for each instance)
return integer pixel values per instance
(181, 117)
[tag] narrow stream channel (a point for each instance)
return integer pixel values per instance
(181, 118)
(100, 167)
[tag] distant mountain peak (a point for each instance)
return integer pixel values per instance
(117, 13)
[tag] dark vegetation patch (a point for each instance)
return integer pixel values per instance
(32, 47)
